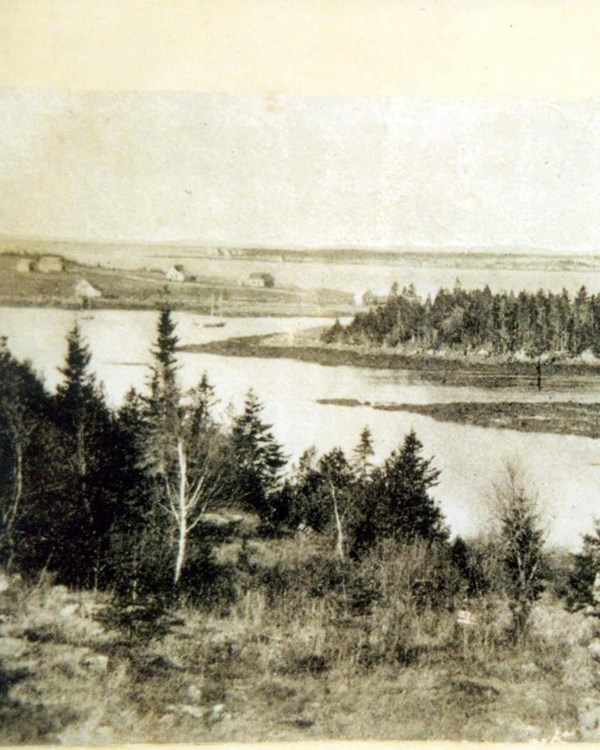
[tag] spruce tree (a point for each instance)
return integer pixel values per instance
(258, 461)
(182, 451)
(90, 479)
(397, 504)
(520, 541)
(363, 453)
(26, 455)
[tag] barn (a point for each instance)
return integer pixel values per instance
(25, 265)
(50, 264)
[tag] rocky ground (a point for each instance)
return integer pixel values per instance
(67, 678)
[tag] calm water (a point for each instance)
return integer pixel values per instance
(565, 469)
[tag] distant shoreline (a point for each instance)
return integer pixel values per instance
(133, 306)
(449, 371)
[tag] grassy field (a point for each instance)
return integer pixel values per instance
(288, 661)
(150, 290)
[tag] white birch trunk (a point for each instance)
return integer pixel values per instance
(182, 512)
(339, 530)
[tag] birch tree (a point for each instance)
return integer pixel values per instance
(182, 446)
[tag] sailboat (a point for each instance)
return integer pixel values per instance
(213, 323)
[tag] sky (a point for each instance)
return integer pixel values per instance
(302, 124)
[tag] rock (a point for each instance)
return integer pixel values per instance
(217, 713)
(196, 712)
(194, 693)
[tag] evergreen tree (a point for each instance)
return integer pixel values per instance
(397, 502)
(586, 566)
(258, 461)
(182, 451)
(90, 477)
(520, 540)
(26, 453)
(363, 453)
(136, 518)
(325, 496)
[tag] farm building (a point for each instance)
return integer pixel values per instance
(50, 264)
(266, 280)
(25, 265)
(176, 273)
(84, 290)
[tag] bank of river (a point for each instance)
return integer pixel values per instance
(442, 370)
(564, 468)
(562, 418)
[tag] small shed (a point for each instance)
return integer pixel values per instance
(25, 265)
(50, 264)
(84, 290)
(176, 273)
(266, 280)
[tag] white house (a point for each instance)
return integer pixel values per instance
(265, 280)
(84, 290)
(176, 273)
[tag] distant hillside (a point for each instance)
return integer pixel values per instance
(144, 289)
(493, 258)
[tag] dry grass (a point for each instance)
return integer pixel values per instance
(301, 665)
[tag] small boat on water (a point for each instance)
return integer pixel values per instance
(214, 323)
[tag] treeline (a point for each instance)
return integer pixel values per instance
(474, 320)
(119, 498)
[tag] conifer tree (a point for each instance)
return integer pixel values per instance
(90, 478)
(182, 447)
(363, 453)
(397, 504)
(258, 461)
(26, 439)
(520, 539)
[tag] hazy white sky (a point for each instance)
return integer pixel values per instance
(432, 127)
(300, 171)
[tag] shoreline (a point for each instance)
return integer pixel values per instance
(200, 309)
(450, 371)
(556, 418)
